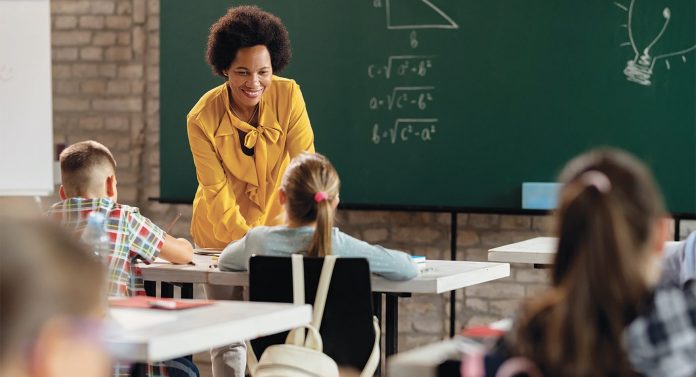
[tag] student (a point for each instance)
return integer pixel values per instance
(88, 173)
(89, 184)
(309, 193)
(679, 262)
(51, 296)
(602, 313)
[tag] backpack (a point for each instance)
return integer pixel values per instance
(301, 355)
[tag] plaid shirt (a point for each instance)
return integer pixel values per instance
(132, 237)
(663, 341)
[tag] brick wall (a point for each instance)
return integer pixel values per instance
(106, 83)
(106, 87)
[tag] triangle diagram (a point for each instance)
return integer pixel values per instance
(417, 14)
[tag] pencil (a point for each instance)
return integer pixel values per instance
(171, 224)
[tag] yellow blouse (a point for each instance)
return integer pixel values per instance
(237, 192)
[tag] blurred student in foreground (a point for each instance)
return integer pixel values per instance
(51, 294)
(604, 314)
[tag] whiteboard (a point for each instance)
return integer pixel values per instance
(26, 127)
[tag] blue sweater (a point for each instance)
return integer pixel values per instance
(284, 241)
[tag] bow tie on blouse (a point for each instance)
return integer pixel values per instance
(253, 134)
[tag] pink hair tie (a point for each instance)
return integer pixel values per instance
(597, 179)
(320, 196)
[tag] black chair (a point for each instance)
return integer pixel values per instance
(347, 328)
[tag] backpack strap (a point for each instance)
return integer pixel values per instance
(297, 336)
(323, 290)
(374, 359)
(298, 294)
(298, 298)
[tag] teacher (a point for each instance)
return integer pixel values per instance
(242, 135)
(244, 132)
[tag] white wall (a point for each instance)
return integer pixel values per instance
(26, 130)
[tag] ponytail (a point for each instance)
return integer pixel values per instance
(321, 242)
(311, 185)
(605, 218)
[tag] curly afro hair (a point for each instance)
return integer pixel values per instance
(247, 26)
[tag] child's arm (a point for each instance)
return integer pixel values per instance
(176, 250)
(235, 257)
(390, 264)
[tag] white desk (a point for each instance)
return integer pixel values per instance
(157, 335)
(441, 277)
(537, 251)
(444, 276)
(424, 361)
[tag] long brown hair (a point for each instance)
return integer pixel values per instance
(607, 214)
(311, 185)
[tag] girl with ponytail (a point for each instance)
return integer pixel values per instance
(309, 193)
(602, 312)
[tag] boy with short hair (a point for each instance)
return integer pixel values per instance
(88, 172)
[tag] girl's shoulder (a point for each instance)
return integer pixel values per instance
(259, 231)
(273, 231)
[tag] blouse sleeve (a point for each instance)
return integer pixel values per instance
(390, 264)
(223, 210)
(300, 134)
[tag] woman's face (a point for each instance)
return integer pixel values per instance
(249, 75)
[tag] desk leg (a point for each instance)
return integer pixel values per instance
(392, 325)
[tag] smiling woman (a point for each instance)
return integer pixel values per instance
(243, 132)
(242, 135)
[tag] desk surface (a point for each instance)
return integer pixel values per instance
(440, 276)
(156, 335)
(424, 361)
(539, 250)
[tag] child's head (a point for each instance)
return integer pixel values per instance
(309, 192)
(611, 229)
(609, 220)
(51, 290)
(88, 170)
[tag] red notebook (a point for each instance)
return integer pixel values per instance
(145, 302)
(482, 332)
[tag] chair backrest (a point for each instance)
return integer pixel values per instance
(346, 328)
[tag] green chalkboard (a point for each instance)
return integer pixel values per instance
(455, 103)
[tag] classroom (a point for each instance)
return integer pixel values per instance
(471, 162)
